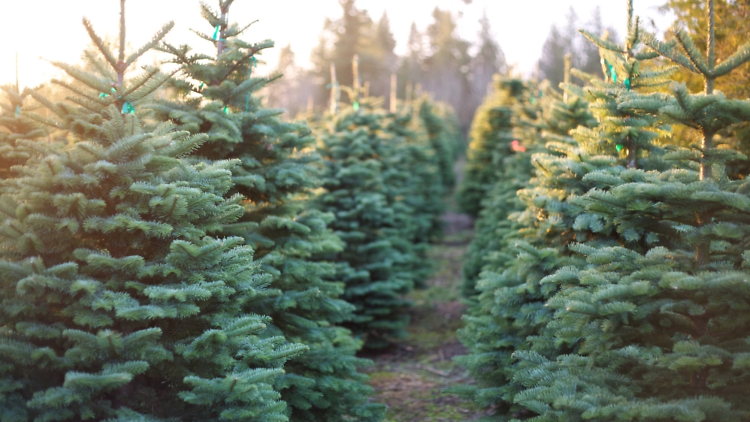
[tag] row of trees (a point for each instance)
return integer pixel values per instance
(614, 285)
(196, 257)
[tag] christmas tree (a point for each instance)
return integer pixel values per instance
(659, 321)
(218, 96)
(489, 142)
(362, 180)
(517, 141)
(417, 194)
(116, 305)
(444, 133)
(17, 129)
(511, 318)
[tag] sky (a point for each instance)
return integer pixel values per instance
(40, 31)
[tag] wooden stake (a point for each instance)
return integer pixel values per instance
(355, 76)
(566, 76)
(394, 80)
(334, 91)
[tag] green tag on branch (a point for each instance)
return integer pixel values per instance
(619, 147)
(627, 83)
(127, 107)
(355, 106)
(113, 90)
(611, 70)
(216, 32)
(18, 110)
(226, 110)
(532, 100)
(103, 95)
(201, 86)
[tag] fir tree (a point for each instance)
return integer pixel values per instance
(515, 135)
(489, 143)
(443, 130)
(510, 320)
(660, 321)
(362, 176)
(116, 304)
(16, 130)
(277, 176)
(417, 194)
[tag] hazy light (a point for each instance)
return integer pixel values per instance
(52, 29)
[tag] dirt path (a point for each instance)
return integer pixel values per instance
(411, 375)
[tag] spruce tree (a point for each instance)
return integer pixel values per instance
(660, 321)
(441, 124)
(362, 177)
(510, 321)
(516, 137)
(16, 130)
(277, 175)
(116, 305)
(489, 143)
(418, 193)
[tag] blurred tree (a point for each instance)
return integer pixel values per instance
(732, 24)
(355, 33)
(447, 66)
(411, 66)
(488, 60)
(297, 91)
(567, 40)
(386, 43)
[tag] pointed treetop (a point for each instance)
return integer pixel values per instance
(692, 59)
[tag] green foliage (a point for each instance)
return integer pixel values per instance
(362, 180)
(646, 319)
(511, 133)
(510, 328)
(116, 303)
(444, 134)
(416, 186)
(277, 174)
(489, 143)
(16, 130)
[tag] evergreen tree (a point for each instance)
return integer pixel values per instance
(16, 129)
(732, 25)
(517, 138)
(116, 304)
(508, 327)
(417, 183)
(355, 32)
(444, 135)
(563, 41)
(489, 143)
(489, 59)
(277, 175)
(363, 173)
(410, 69)
(658, 322)
(447, 66)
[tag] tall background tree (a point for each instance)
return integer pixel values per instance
(567, 40)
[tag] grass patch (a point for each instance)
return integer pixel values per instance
(411, 375)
